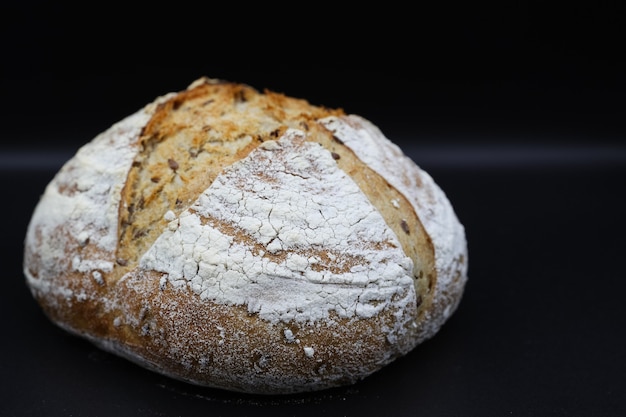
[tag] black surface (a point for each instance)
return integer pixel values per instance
(517, 112)
(540, 330)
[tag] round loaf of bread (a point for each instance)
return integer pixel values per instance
(247, 241)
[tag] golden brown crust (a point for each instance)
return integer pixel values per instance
(188, 142)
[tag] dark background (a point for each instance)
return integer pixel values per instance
(518, 71)
(517, 111)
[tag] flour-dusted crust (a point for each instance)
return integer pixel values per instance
(429, 202)
(247, 241)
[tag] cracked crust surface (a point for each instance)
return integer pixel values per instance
(247, 241)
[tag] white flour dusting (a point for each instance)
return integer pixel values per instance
(83, 198)
(264, 233)
(429, 201)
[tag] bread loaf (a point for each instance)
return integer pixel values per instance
(247, 241)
